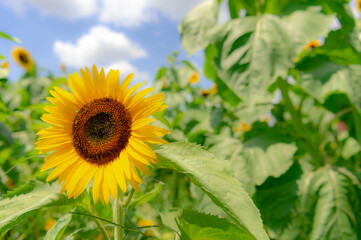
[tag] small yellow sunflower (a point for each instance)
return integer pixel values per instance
(313, 44)
(146, 223)
(243, 127)
(358, 5)
(100, 132)
(4, 64)
(194, 78)
(22, 57)
(205, 92)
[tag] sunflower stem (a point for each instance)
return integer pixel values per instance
(118, 216)
(92, 211)
(129, 198)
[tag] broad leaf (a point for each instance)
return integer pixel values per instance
(27, 200)
(266, 152)
(214, 176)
(326, 209)
(254, 51)
(199, 226)
(56, 231)
(326, 78)
(276, 199)
(195, 26)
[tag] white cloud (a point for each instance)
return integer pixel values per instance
(66, 8)
(100, 46)
(126, 13)
(134, 13)
(70, 9)
(17, 6)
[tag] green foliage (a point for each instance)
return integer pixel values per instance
(6, 36)
(56, 232)
(30, 198)
(216, 179)
(195, 225)
(194, 28)
(271, 151)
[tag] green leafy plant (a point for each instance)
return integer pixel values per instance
(271, 151)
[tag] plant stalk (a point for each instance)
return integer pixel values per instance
(91, 211)
(310, 143)
(118, 216)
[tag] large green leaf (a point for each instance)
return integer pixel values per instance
(56, 231)
(195, 26)
(276, 199)
(27, 200)
(214, 176)
(326, 209)
(199, 226)
(266, 152)
(254, 51)
(326, 78)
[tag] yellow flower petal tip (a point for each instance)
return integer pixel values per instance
(358, 5)
(100, 132)
(22, 57)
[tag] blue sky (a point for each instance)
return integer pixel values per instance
(135, 36)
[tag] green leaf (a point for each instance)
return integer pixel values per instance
(276, 198)
(145, 197)
(198, 226)
(254, 51)
(190, 65)
(56, 232)
(6, 36)
(266, 152)
(27, 200)
(235, 6)
(326, 208)
(161, 72)
(4, 71)
(214, 176)
(160, 117)
(350, 148)
(327, 78)
(210, 70)
(6, 134)
(195, 26)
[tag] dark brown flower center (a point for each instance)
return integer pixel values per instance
(101, 130)
(23, 58)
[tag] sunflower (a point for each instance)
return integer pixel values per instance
(312, 44)
(100, 132)
(22, 57)
(358, 5)
(194, 78)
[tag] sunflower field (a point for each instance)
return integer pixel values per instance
(272, 150)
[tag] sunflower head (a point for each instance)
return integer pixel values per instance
(5, 64)
(205, 92)
(100, 131)
(313, 44)
(22, 57)
(358, 5)
(194, 78)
